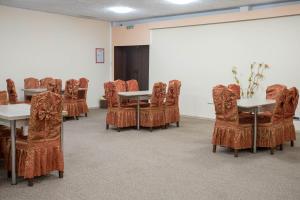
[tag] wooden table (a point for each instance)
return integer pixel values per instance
(138, 95)
(12, 113)
(254, 105)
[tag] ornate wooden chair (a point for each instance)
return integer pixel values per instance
(154, 115)
(290, 106)
(118, 115)
(71, 97)
(40, 152)
(82, 96)
(12, 92)
(45, 81)
(171, 108)
(270, 130)
(31, 83)
(236, 89)
(230, 129)
(55, 86)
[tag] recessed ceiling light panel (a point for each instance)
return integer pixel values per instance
(121, 9)
(181, 2)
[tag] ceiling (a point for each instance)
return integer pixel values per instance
(144, 8)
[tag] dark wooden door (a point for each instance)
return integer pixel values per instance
(132, 62)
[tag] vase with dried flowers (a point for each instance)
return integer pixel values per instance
(256, 76)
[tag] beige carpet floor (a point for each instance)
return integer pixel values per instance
(173, 164)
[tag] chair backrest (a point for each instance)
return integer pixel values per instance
(132, 85)
(278, 111)
(225, 104)
(55, 86)
(158, 94)
(45, 117)
(45, 81)
(111, 94)
(11, 90)
(71, 89)
(295, 93)
(83, 83)
(291, 102)
(3, 98)
(173, 92)
(236, 89)
(120, 85)
(273, 91)
(31, 83)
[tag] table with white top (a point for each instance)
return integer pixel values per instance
(254, 105)
(13, 113)
(33, 91)
(138, 95)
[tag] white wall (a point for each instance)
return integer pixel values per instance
(203, 56)
(37, 44)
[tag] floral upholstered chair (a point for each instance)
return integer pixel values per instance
(154, 114)
(71, 97)
(121, 87)
(274, 90)
(132, 85)
(230, 129)
(12, 92)
(290, 106)
(118, 115)
(40, 152)
(31, 83)
(82, 96)
(236, 89)
(270, 130)
(45, 81)
(55, 85)
(172, 113)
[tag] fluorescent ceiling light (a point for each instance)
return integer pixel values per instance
(181, 2)
(121, 9)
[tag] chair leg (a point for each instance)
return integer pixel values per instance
(281, 147)
(107, 126)
(272, 150)
(292, 143)
(236, 153)
(214, 148)
(86, 114)
(151, 129)
(77, 118)
(119, 130)
(60, 174)
(30, 182)
(177, 124)
(9, 174)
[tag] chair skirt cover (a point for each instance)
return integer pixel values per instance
(289, 130)
(71, 106)
(172, 114)
(121, 117)
(152, 117)
(270, 135)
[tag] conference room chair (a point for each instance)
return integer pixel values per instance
(154, 114)
(82, 96)
(12, 92)
(236, 89)
(40, 152)
(71, 97)
(171, 108)
(45, 81)
(290, 106)
(118, 115)
(230, 130)
(270, 130)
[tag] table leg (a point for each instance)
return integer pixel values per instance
(255, 130)
(138, 113)
(13, 152)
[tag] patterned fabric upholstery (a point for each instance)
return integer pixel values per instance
(154, 115)
(229, 130)
(118, 115)
(12, 92)
(4, 130)
(273, 91)
(31, 83)
(71, 97)
(290, 106)
(40, 152)
(120, 85)
(45, 82)
(271, 133)
(172, 114)
(82, 96)
(236, 89)
(55, 85)
(132, 85)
